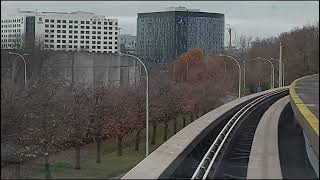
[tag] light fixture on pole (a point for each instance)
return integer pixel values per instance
(234, 59)
(147, 100)
(25, 66)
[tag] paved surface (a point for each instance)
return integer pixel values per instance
(308, 91)
(264, 161)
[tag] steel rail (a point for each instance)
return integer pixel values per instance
(207, 161)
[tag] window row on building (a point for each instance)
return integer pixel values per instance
(110, 23)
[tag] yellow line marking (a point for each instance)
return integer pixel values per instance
(305, 111)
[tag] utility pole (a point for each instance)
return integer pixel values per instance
(280, 66)
(229, 31)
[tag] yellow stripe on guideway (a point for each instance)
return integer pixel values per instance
(304, 110)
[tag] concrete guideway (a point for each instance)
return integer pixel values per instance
(304, 100)
(264, 162)
(165, 159)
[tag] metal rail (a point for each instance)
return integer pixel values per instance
(208, 160)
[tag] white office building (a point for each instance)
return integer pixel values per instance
(60, 31)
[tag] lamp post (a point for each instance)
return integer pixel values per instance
(280, 67)
(25, 66)
(147, 100)
(272, 71)
(234, 59)
(282, 64)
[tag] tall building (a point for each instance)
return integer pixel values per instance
(162, 36)
(128, 43)
(73, 31)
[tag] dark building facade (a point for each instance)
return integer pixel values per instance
(163, 36)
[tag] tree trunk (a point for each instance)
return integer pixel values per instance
(183, 121)
(175, 126)
(165, 135)
(47, 166)
(77, 149)
(98, 149)
(137, 141)
(18, 171)
(191, 117)
(154, 133)
(119, 146)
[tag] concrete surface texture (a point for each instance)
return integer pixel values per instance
(264, 160)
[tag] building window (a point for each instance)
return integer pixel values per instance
(93, 42)
(76, 37)
(82, 42)
(110, 23)
(93, 47)
(70, 36)
(82, 47)
(52, 21)
(51, 41)
(110, 28)
(99, 22)
(70, 31)
(87, 27)
(87, 32)
(70, 21)
(76, 22)
(58, 21)
(51, 36)
(58, 26)
(82, 27)
(70, 41)
(58, 31)
(58, 46)
(99, 37)
(64, 31)
(63, 41)
(75, 46)
(46, 20)
(82, 22)
(70, 46)
(93, 32)
(93, 37)
(63, 36)
(99, 32)
(81, 32)
(64, 21)
(87, 37)
(94, 27)
(58, 41)
(46, 25)
(51, 26)
(70, 26)
(64, 26)
(81, 37)
(99, 27)
(110, 47)
(76, 27)
(46, 35)
(47, 30)
(87, 42)
(98, 42)
(110, 33)
(94, 22)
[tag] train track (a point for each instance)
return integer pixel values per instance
(240, 131)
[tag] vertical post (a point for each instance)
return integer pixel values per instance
(147, 99)
(244, 77)
(280, 66)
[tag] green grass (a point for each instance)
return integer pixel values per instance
(111, 164)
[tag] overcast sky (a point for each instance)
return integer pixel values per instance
(251, 18)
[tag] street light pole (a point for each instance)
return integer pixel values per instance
(282, 64)
(25, 67)
(147, 100)
(280, 67)
(244, 77)
(234, 59)
(272, 71)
